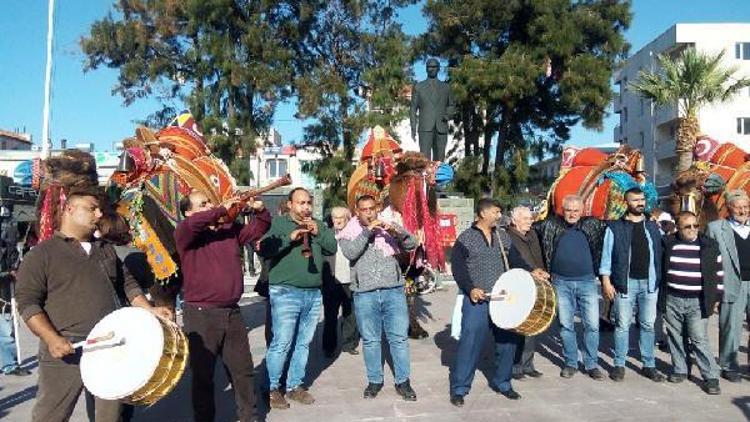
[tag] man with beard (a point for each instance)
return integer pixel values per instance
(478, 261)
(295, 245)
(67, 284)
(631, 272)
(572, 250)
(733, 235)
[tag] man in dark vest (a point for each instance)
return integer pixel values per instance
(432, 103)
(631, 272)
(733, 235)
(527, 243)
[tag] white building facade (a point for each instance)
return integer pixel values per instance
(653, 129)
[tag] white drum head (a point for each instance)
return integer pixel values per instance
(115, 372)
(520, 296)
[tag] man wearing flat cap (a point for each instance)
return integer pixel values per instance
(733, 236)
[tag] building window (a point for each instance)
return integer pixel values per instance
(642, 106)
(742, 50)
(643, 140)
(275, 168)
(743, 125)
(4, 144)
(624, 114)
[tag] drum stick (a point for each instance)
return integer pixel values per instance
(109, 336)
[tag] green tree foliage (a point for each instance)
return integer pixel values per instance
(691, 80)
(351, 66)
(228, 60)
(521, 68)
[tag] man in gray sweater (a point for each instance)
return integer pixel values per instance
(378, 287)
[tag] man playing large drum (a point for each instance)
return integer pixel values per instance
(477, 262)
(66, 284)
(209, 251)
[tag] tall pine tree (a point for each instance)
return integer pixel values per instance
(524, 68)
(228, 60)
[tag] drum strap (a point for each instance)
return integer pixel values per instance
(505, 257)
(111, 283)
(502, 251)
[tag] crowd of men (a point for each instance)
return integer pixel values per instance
(68, 283)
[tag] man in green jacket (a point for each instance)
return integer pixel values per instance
(295, 246)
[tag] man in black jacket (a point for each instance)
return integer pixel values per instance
(526, 241)
(689, 294)
(572, 249)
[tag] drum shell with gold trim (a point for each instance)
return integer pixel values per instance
(522, 304)
(145, 367)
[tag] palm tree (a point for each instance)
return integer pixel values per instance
(692, 80)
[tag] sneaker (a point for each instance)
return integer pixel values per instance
(617, 374)
(731, 376)
(595, 374)
(712, 387)
(404, 390)
(518, 376)
(18, 372)
(677, 378)
(457, 400)
(568, 372)
(301, 395)
(351, 351)
(652, 374)
(372, 390)
(277, 400)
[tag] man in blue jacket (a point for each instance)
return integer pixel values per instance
(631, 272)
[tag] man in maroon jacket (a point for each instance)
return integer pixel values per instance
(212, 285)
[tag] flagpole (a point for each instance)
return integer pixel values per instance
(46, 142)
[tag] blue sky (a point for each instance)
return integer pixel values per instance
(83, 109)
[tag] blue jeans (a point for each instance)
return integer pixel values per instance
(383, 310)
(624, 303)
(475, 323)
(686, 313)
(8, 358)
(581, 296)
(294, 315)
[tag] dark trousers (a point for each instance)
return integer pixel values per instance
(523, 361)
(59, 388)
(212, 333)
(338, 296)
(432, 144)
(475, 324)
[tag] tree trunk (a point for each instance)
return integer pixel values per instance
(688, 129)
(489, 131)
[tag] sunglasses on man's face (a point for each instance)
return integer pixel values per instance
(690, 226)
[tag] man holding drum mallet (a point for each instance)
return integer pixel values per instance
(66, 284)
(477, 261)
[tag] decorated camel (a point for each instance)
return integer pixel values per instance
(404, 183)
(601, 179)
(717, 168)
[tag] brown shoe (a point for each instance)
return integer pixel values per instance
(301, 395)
(277, 400)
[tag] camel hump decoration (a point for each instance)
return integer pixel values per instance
(404, 184)
(156, 171)
(601, 179)
(717, 167)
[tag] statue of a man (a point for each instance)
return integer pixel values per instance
(431, 104)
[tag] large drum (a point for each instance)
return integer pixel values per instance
(521, 304)
(142, 362)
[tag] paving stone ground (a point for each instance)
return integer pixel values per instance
(338, 384)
